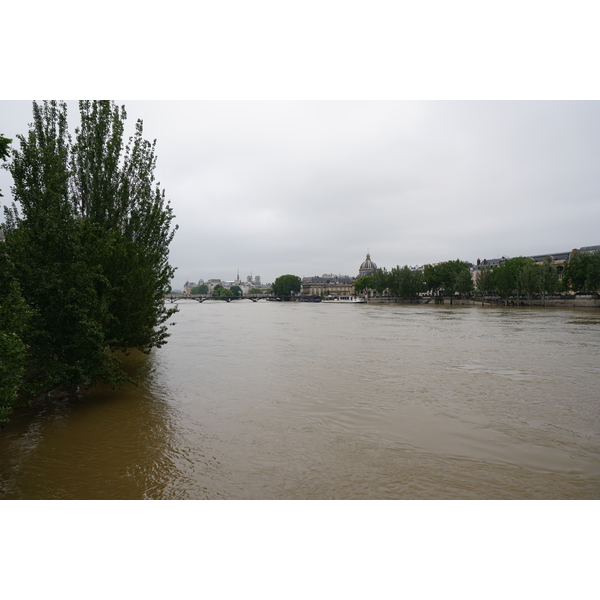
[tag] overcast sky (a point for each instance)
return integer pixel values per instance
(276, 187)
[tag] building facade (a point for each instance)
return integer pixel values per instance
(336, 285)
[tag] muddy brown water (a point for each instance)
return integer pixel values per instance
(317, 401)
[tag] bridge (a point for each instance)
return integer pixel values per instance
(172, 298)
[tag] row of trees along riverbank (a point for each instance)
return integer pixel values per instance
(84, 268)
(516, 277)
(235, 291)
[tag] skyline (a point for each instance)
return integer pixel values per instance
(473, 263)
(308, 187)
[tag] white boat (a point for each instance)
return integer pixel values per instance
(345, 299)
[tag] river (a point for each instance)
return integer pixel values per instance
(275, 400)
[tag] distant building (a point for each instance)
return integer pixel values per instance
(589, 249)
(317, 286)
(187, 287)
(368, 267)
(212, 284)
(250, 283)
(557, 259)
(336, 285)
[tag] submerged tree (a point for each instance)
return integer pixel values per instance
(14, 326)
(89, 243)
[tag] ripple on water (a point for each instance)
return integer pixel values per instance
(278, 400)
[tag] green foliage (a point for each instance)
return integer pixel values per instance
(89, 244)
(237, 290)
(433, 278)
(222, 292)
(516, 265)
(548, 279)
(582, 273)
(405, 283)
(200, 289)
(363, 283)
(529, 279)
(521, 274)
(380, 281)
(285, 285)
(4, 144)
(113, 187)
(448, 277)
(484, 280)
(592, 282)
(14, 327)
(506, 276)
(464, 282)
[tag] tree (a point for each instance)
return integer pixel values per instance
(582, 273)
(529, 279)
(516, 265)
(14, 326)
(363, 283)
(380, 281)
(464, 282)
(285, 285)
(503, 281)
(89, 244)
(237, 290)
(548, 279)
(452, 273)
(484, 280)
(200, 289)
(4, 144)
(592, 282)
(113, 187)
(433, 279)
(222, 292)
(405, 283)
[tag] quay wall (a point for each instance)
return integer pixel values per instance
(555, 301)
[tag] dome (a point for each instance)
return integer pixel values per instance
(368, 267)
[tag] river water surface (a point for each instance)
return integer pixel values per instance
(275, 400)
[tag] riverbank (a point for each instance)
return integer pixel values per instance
(554, 301)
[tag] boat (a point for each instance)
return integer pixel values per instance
(345, 299)
(309, 299)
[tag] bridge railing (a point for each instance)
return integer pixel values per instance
(203, 297)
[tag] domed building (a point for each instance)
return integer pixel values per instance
(368, 267)
(336, 285)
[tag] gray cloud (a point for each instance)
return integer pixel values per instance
(306, 187)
